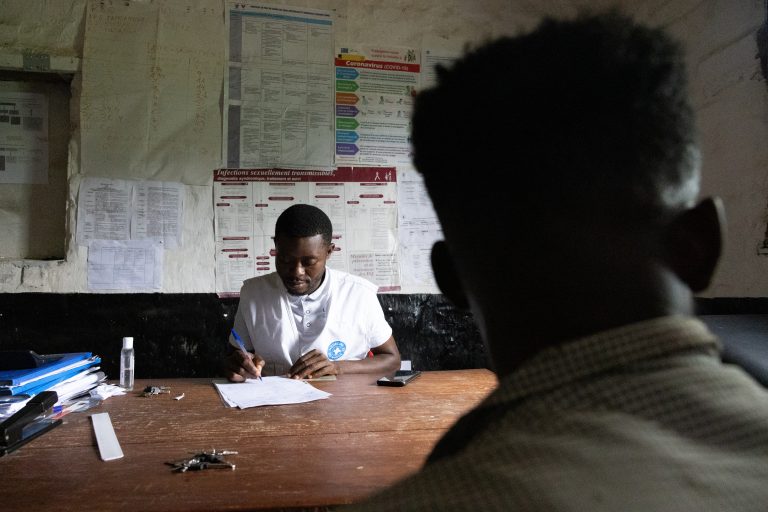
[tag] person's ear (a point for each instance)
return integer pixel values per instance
(331, 247)
(446, 277)
(693, 243)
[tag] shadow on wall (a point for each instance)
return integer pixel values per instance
(184, 335)
(762, 45)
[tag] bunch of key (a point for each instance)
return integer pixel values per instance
(204, 460)
(155, 390)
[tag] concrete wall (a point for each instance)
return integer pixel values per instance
(728, 91)
(731, 99)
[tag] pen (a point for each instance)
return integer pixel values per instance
(241, 344)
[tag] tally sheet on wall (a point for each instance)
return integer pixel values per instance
(151, 86)
(418, 230)
(125, 265)
(375, 87)
(130, 210)
(278, 90)
(361, 203)
(23, 138)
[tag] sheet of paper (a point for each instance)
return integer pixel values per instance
(418, 229)
(151, 82)
(111, 209)
(10, 405)
(125, 265)
(430, 59)
(23, 138)
(103, 210)
(78, 384)
(156, 212)
(268, 391)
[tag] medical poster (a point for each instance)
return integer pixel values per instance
(23, 138)
(278, 87)
(374, 87)
(360, 201)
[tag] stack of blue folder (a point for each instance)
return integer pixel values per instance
(32, 386)
(25, 374)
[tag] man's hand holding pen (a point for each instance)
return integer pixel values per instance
(241, 365)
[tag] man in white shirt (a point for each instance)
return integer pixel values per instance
(306, 320)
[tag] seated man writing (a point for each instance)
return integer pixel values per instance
(306, 320)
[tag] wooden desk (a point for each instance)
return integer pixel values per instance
(322, 453)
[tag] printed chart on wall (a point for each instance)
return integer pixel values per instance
(126, 224)
(374, 97)
(110, 209)
(418, 229)
(361, 203)
(23, 138)
(279, 90)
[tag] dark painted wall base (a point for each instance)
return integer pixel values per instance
(184, 335)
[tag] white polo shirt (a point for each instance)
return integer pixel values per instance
(342, 318)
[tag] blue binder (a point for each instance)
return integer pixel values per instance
(46, 367)
(36, 386)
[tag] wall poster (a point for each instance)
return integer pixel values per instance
(360, 201)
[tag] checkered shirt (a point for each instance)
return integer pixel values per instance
(641, 418)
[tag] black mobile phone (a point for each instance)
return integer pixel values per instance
(399, 378)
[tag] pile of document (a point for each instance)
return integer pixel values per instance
(268, 391)
(70, 375)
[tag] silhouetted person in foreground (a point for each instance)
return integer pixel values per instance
(564, 169)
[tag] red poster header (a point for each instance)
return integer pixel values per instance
(378, 65)
(339, 175)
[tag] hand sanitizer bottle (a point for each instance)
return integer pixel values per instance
(126, 364)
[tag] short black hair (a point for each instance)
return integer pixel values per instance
(304, 220)
(587, 116)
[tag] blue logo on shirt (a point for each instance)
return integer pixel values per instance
(336, 349)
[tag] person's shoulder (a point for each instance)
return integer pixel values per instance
(343, 279)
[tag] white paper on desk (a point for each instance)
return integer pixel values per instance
(269, 391)
(9, 409)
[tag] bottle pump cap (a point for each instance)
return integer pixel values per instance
(128, 342)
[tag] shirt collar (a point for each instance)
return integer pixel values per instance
(556, 366)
